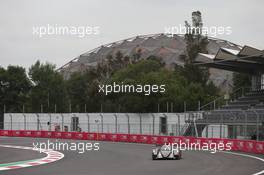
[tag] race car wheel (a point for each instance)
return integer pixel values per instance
(154, 157)
(179, 156)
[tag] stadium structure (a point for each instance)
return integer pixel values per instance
(166, 46)
(243, 113)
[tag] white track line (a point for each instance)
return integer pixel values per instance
(247, 155)
(52, 156)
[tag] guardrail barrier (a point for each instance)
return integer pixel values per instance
(248, 146)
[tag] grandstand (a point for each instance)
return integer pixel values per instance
(252, 99)
(243, 115)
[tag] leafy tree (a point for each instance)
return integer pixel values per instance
(149, 72)
(193, 73)
(14, 88)
(48, 88)
(82, 90)
(197, 77)
(76, 88)
(196, 43)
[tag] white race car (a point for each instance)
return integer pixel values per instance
(166, 152)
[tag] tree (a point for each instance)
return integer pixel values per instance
(14, 88)
(82, 89)
(195, 43)
(197, 77)
(76, 89)
(149, 72)
(48, 89)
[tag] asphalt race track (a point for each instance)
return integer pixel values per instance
(126, 159)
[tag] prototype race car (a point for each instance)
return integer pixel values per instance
(166, 152)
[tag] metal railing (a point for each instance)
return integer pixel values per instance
(225, 99)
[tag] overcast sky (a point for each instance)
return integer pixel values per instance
(116, 19)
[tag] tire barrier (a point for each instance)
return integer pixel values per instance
(248, 146)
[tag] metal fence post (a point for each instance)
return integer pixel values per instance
(88, 122)
(140, 124)
(37, 121)
(195, 126)
(224, 132)
(128, 123)
(245, 125)
(41, 108)
(115, 123)
(179, 125)
(153, 123)
(212, 133)
(62, 122)
(214, 104)
(221, 126)
(257, 126)
(25, 122)
(11, 119)
(102, 123)
(49, 122)
(234, 131)
(207, 125)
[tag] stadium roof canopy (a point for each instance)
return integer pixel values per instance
(245, 60)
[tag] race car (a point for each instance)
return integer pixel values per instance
(166, 152)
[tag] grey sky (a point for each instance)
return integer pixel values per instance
(117, 19)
